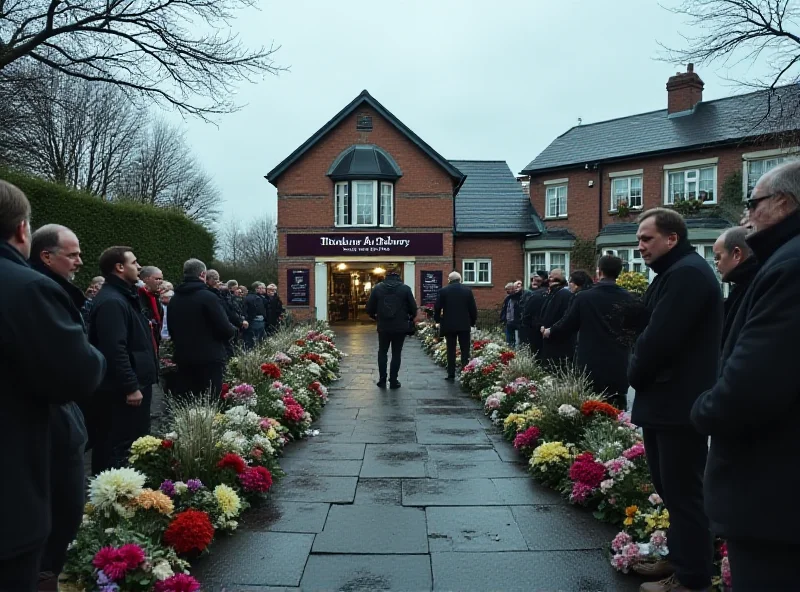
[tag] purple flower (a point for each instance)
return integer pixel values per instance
(194, 484)
(102, 578)
(168, 488)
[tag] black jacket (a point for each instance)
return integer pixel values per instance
(739, 278)
(255, 306)
(274, 310)
(532, 316)
(227, 305)
(597, 315)
(554, 309)
(392, 295)
(198, 325)
(677, 355)
(120, 331)
(155, 322)
(45, 359)
(751, 412)
(455, 309)
(512, 301)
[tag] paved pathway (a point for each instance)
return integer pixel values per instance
(409, 490)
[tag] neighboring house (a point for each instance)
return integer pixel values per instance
(585, 179)
(365, 190)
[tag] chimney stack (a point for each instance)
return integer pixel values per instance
(684, 91)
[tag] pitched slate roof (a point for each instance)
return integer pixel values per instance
(713, 122)
(491, 200)
(364, 98)
(632, 227)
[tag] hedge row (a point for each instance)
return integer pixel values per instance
(158, 237)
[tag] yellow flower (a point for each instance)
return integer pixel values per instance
(88, 509)
(627, 521)
(272, 434)
(154, 499)
(631, 511)
(144, 445)
(534, 414)
(227, 500)
(511, 419)
(550, 452)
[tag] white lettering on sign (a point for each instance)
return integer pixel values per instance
(366, 241)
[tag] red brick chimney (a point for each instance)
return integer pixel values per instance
(684, 91)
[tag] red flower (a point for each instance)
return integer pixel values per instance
(527, 439)
(487, 370)
(271, 370)
(256, 479)
(312, 357)
(167, 444)
(232, 461)
(225, 388)
(590, 407)
(178, 583)
(189, 531)
(587, 470)
(294, 411)
(506, 357)
(300, 342)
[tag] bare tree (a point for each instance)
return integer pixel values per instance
(250, 253)
(230, 240)
(171, 51)
(733, 32)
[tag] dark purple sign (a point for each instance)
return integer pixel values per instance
(342, 244)
(297, 287)
(430, 283)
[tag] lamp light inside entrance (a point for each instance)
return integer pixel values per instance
(379, 270)
(341, 266)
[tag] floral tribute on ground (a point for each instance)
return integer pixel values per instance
(144, 523)
(574, 441)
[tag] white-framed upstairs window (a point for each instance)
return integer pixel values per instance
(698, 183)
(631, 258)
(556, 201)
(547, 261)
(755, 168)
(359, 203)
(476, 271)
(627, 190)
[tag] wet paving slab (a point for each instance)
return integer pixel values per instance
(412, 489)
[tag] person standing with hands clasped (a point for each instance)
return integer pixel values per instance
(751, 411)
(675, 359)
(117, 327)
(392, 304)
(456, 312)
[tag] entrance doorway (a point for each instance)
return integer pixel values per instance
(349, 287)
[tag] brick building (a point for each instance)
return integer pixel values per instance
(698, 157)
(365, 191)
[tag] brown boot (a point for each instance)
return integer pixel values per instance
(670, 584)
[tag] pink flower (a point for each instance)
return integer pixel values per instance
(634, 451)
(178, 583)
(631, 551)
(658, 540)
(117, 562)
(527, 439)
(655, 499)
(726, 572)
(619, 542)
(580, 492)
(492, 403)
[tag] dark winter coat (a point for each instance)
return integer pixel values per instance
(198, 325)
(45, 360)
(532, 316)
(512, 308)
(255, 306)
(554, 309)
(152, 311)
(274, 310)
(227, 305)
(751, 411)
(455, 309)
(392, 295)
(739, 278)
(120, 331)
(596, 316)
(677, 356)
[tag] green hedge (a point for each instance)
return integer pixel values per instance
(158, 237)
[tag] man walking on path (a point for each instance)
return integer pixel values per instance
(56, 253)
(596, 315)
(751, 411)
(120, 410)
(675, 359)
(45, 360)
(392, 304)
(456, 312)
(560, 353)
(737, 266)
(200, 330)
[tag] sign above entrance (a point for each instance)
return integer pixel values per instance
(348, 244)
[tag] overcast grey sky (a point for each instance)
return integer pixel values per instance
(475, 79)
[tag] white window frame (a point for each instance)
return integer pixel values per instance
(341, 193)
(476, 271)
(390, 221)
(630, 259)
(558, 213)
(669, 199)
(548, 261)
(616, 179)
(780, 155)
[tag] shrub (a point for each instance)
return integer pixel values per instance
(159, 237)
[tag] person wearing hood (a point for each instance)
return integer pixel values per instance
(751, 409)
(200, 331)
(737, 266)
(675, 359)
(392, 304)
(120, 410)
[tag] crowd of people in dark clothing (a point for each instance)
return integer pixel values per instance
(80, 367)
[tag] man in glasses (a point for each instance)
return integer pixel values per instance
(751, 411)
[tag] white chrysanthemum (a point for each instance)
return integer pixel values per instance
(314, 368)
(181, 487)
(567, 411)
(263, 443)
(242, 416)
(232, 441)
(110, 490)
(162, 570)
